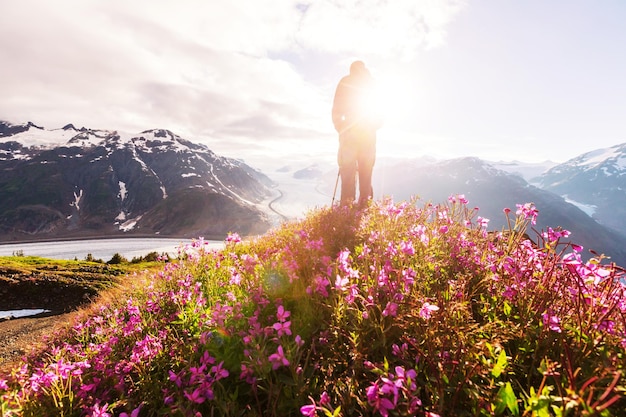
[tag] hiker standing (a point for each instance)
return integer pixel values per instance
(356, 121)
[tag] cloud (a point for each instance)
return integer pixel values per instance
(200, 68)
(377, 27)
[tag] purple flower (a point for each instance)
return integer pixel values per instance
(551, 321)
(482, 222)
(527, 210)
(233, 238)
(100, 411)
(278, 359)
(380, 404)
(282, 328)
(427, 310)
(324, 399)
(134, 413)
(196, 396)
(282, 314)
(308, 410)
(391, 310)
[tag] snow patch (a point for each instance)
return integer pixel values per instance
(123, 192)
(130, 224)
(588, 209)
(77, 198)
(191, 174)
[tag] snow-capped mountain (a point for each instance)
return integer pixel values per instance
(595, 182)
(99, 182)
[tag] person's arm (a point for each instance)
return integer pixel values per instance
(339, 107)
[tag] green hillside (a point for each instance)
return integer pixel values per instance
(408, 309)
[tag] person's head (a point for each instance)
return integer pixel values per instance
(357, 68)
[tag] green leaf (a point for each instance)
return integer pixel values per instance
(507, 399)
(500, 364)
(507, 309)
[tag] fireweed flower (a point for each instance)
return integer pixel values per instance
(308, 410)
(341, 283)
(482, 222)
(427, 310)
(378, 402)
(282, 328)
(314, 244)
(527, 210)
(233, 238)
(551, 235)
(407, 248)
(391, 310)
(282, 314)
(278, 359)
(99, 411)
(551, 321)
(134, 413)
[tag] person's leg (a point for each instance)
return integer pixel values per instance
(347, 169)
(366, 159)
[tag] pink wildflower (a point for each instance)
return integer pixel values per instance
(233, 238)
(134, 413)
(391, 310)
(407, 248)
(527, 210)
(325, 399)
(278, 359)
(100, 411)
(427, 310)
(380, 403)
(282, 314)
(196, 396)
(551, 321)
(308, 410)
(482, 222)
(282, 328)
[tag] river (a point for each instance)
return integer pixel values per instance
(100, 248)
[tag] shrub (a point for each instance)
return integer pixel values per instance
(398, 309)
(90, 258)
(117, 259)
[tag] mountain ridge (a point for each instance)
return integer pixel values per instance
(100, 182)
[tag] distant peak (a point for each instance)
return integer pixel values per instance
(10, 129)
(69, 127)
(160, 133)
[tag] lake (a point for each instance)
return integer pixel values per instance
(101, 248)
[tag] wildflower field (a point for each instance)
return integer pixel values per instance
(406, 309)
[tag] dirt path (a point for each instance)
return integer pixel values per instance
(19, 336)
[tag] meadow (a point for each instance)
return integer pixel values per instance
(397, 309)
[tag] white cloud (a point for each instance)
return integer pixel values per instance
(377, 27)
(201, 68)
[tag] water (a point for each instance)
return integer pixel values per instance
(27, 312)
(101, 248)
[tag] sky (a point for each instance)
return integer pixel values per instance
(528, 80)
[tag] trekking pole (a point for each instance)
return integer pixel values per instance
(336, 183)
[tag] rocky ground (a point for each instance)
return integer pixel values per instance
(19, 336)
(59, 288)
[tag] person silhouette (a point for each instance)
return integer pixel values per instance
(356, 119)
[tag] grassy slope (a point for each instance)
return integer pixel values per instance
(395, 310)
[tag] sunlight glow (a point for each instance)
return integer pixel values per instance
(396, 97)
